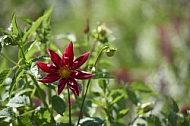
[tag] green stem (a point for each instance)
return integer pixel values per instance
(9, 59)
(88, 83)
(69, 100)
(22, 52)
(28, 86)
(41, 96)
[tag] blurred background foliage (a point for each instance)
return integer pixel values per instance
(152, 36)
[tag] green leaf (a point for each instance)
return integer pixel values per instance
(36, 24)
(7, 112)
(58, 104)
(34, 69)
(98, 103)
(122, 113)
(2, 123)
(132, 96)
(15, 29)
(115, 100)
(27, 46)
(4, 74)
(62, 124)
(140, 86)
(42, 117)
(16, 78)
(24, 120)
(152, 120)
(19, 101)
(175, 107)
(172, 118)
(92, 121)
(103, 84)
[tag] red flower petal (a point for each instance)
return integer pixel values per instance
(49, 78)
(80, 61)
(73, 85)
(55, 58)
(48, 68)
(61, 85)
(81, 75)
(68, 55)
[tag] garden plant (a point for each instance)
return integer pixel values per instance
(70, 83)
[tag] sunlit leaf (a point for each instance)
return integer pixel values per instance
(16, 78)
(98, 103)
(122, 113)
(115, 100)
(7, 112)
(19, 101)
(15, 29)
(92, 121)
(42, 117)
(27, 46)
(24, 120)
(36, 24)
(58, 104)
(4, 74)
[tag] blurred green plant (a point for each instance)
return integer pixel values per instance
(103, 100)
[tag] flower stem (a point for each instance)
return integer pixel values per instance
(41, 96)
(69, 100)
(87, 86)
(8, 59)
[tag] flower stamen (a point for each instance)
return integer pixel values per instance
(64, 72)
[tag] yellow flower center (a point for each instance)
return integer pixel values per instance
(64, 72)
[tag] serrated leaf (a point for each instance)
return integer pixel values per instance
(36, 24)
(58, 104)
(19, 101)
(4, 74)
(16, 78)
(6, 112)
(15, 29)
(92, 121)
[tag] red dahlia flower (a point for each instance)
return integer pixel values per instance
(65, 69)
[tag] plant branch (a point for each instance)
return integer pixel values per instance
(41, 96)
(84, 97)
(69, 103)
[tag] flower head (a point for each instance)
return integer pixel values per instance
(65, 69)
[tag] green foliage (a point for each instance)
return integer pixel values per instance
(111, 97)
(58, 105)
(4, 74)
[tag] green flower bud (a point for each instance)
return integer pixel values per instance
(144, 108)
(111, 51)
